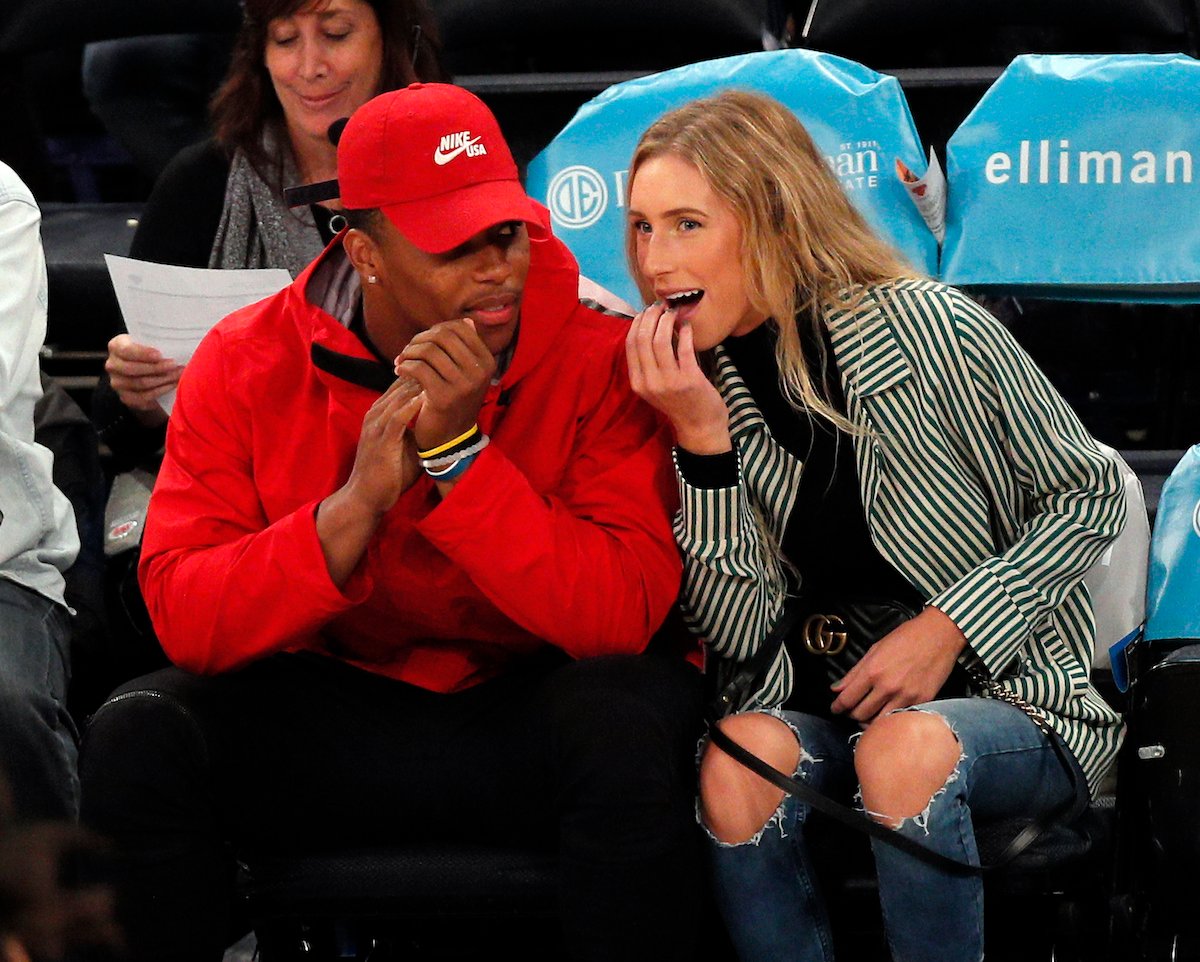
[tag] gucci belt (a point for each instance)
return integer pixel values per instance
(821, 635)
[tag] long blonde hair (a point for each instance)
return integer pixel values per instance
(804, 245)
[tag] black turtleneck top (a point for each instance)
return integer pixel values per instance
(826, 539)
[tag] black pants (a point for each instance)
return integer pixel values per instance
(298, 753)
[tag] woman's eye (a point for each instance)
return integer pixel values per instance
(688, 224)
(337, 36)
(641, 227)
(283, 41)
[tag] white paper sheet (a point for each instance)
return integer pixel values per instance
(172, 308)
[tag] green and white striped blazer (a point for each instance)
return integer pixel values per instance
(979, 485)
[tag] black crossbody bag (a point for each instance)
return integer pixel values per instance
(863, 623)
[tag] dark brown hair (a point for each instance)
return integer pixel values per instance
(246, 103)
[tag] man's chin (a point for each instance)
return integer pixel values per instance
(499, 340)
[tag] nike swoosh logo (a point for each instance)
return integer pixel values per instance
(443, 159)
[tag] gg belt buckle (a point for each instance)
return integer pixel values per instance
(820, 636)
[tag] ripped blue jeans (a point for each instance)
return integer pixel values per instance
(768, 892)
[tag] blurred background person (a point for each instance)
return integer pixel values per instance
(54, 904)
(38, 537)
(297, 66)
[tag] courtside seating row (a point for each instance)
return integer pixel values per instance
(421, 902)
(401, 902)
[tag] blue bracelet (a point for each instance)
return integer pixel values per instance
(453, 470)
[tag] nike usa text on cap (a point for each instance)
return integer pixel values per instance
(432, 158)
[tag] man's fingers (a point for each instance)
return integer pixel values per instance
(397, 406)
(401, 413)
(401, 391)
(426, 375)
(458, 340)
(453, 351)
(411, 408)
(461, 341)
(429, 364)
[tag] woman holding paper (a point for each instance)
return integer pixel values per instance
(849, 433)
(298, 66)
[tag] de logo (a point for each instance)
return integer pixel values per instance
(577, 197)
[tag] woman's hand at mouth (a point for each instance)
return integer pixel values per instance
(665, 372)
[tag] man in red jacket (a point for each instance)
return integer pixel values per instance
(408, 547)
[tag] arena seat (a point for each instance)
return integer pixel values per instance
(1060, 889)
(581, 173)
(448, 901)
(30, 25)
(535, 61)
(946, 53)
(83, 312)
(965, 33)
(522, 36)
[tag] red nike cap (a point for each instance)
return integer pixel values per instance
(432, 158)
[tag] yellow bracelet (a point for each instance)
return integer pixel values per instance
(434, 452)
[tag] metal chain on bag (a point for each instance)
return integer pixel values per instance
(991, 688)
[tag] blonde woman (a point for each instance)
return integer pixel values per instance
(847, 429)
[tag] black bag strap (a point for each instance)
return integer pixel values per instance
(859, 822)
(735, 695)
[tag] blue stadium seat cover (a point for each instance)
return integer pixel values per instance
(858, 118)
(1173, 589)
(1079, 176)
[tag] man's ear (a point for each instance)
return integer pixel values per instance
(363, 251)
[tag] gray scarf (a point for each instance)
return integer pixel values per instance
(256, 229)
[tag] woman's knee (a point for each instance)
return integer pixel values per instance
(735, 803)
(902, 761)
